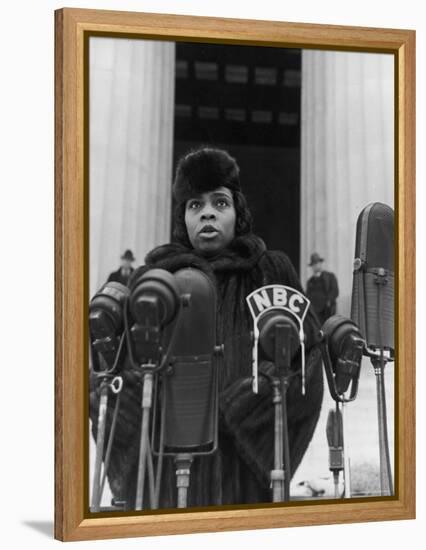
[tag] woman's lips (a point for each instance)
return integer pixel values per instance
(210, 235)
(208, 232)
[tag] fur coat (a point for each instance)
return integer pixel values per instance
(239, 471)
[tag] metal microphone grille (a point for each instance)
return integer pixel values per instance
(373, 281)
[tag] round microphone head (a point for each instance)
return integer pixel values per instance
(337, 329)
(375, 245)
(345, 346)
(106, 310)
(159, 286)
(267, 323)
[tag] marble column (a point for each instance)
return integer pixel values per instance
(131, 147)
(130, 156)
(347, 161)
(347, 152)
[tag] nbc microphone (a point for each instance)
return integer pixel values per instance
(279, 339)
(278, 313)
(271, 324)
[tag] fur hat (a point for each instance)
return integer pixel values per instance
(204, 170)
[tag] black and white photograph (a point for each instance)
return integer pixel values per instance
(212, 233)
(241, 273)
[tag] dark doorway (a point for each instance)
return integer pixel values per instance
(246, 99)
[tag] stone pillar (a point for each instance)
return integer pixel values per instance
(130, 155)
(347, 161)
(131, 147)
(347, 152)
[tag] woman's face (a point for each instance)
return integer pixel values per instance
(210, 220)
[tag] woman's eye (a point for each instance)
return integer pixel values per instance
(222, 202)
(194, 204)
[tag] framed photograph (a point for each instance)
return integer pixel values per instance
(234, 274)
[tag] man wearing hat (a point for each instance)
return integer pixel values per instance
(322, 289)
(123, 273)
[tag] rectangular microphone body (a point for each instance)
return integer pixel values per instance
(190, 385)
(372, 306)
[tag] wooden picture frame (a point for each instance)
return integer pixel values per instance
(73, 521)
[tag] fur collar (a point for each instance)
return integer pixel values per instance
(242, 254)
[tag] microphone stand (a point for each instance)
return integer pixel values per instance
(281, 474)
(346, 458)
(386, 485)
(183, 463)
(379, 362)
(144, 448)
(100, 443)
(336, 471)
(335, 439)
(108, 381)
(277, 474)
(147, 338)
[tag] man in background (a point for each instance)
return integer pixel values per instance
(322, 289)
(125, 270)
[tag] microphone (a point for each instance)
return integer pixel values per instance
(106, 311)
(372, 306)
(342, 349)
(278, 310)
(278, 313)
(373, 309)
(278, 337)
(106, 320)
(153, 304)
(189, 383)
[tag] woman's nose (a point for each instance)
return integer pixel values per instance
(208, 213)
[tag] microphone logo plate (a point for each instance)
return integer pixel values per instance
(278, 297)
